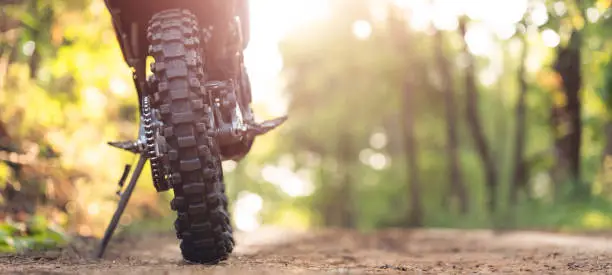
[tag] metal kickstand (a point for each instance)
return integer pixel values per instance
(123, 201)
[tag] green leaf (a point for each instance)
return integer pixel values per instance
(37, 225)
(7, 229)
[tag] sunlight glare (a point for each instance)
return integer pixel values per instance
(375, 160)
(229, 166)
(560, 8)
(550, 38)
(498, 16)
(93, 209)
(478, 39)
(246, 211)
(378, 161)
(271, 20)
(445, 20)
(495, 11)
(362, 29)
(592, 14)
(287, 161)
(28, 48)
(509, 11)
(505, 31)
(96, 8)
(541, 185)
(378, 140)
(487, 77)
(446, 14)
(404, 4)
(293, 184)
(95, 101)
(421, 16)
(534, 62)
(118, 87)
(539, 14)
(378, 11)
(365, 154)
(297, 13)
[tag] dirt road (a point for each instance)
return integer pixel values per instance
(273, 251)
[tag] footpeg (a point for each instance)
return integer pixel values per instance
(250, 130)
(135, 147)
(258, 129)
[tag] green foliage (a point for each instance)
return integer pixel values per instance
(36, 234)
(605, 92)
(566, 215)
(64, 92)
(356, 89)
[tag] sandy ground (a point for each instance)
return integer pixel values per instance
(275, 251)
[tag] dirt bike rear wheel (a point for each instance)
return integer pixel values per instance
(203, 223)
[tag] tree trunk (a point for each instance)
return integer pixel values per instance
(519, 177)
(7, 52)
(7, 23)
(474, 123)
(34, 63)
(606, 169)
(340, 197)
(457, 185)
(402, 41)
(568, 119)
(4, 136)
(415, 218)
(606, 173)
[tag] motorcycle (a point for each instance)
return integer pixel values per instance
(194, 111)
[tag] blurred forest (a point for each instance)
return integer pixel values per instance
(407, 113)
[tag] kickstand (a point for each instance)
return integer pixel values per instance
(125, 197)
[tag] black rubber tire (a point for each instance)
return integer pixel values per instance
(203, 223)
